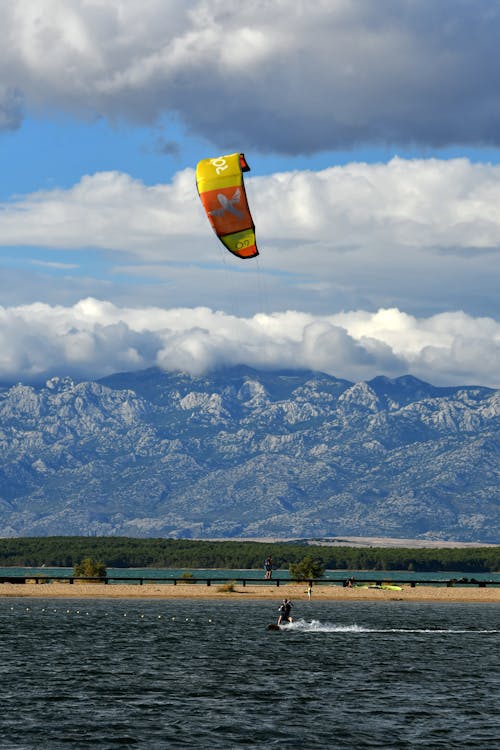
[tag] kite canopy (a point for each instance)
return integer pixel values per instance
(222, 192)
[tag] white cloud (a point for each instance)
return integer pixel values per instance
(422, 235)
(55, 265)
(428, 203)
(277, 76)
(105, 210)
(94, 338)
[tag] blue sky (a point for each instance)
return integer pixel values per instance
(55, 150)
(373, 134)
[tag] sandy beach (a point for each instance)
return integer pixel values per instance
(297, 592)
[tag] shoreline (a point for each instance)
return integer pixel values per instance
(294, 591)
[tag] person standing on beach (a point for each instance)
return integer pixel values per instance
(268, 566)
(284, 611)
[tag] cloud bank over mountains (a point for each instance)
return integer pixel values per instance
(314, 76)
(95, 338)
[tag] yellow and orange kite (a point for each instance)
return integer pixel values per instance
(222, 192)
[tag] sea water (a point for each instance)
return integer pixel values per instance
(134, 574)
(78, 674)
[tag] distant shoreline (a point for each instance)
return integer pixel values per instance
(295, 591)
(359, 541)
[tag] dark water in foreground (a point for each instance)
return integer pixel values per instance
(189, 674)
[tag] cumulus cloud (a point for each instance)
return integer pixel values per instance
(430, 203)
(104, 210)
(276, 76)
(422, 234)
(94, 338)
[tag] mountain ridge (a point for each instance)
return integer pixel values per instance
(243, 452)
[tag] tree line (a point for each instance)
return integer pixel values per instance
(129, 552)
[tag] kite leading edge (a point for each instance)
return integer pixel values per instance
(222, 192)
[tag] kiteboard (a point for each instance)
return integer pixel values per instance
(381, 586)
(273, 626)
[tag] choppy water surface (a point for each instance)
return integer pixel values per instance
(173, 674)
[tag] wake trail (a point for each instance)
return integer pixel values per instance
(315, 626)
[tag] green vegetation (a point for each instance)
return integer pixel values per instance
(87, 568)
(308, 567)
(127, 552)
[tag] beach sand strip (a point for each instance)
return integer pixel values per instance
(250, 591)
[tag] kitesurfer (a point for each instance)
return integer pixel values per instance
(284, 611)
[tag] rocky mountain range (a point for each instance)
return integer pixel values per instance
(241, 453)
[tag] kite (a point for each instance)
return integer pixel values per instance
(222, 192)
